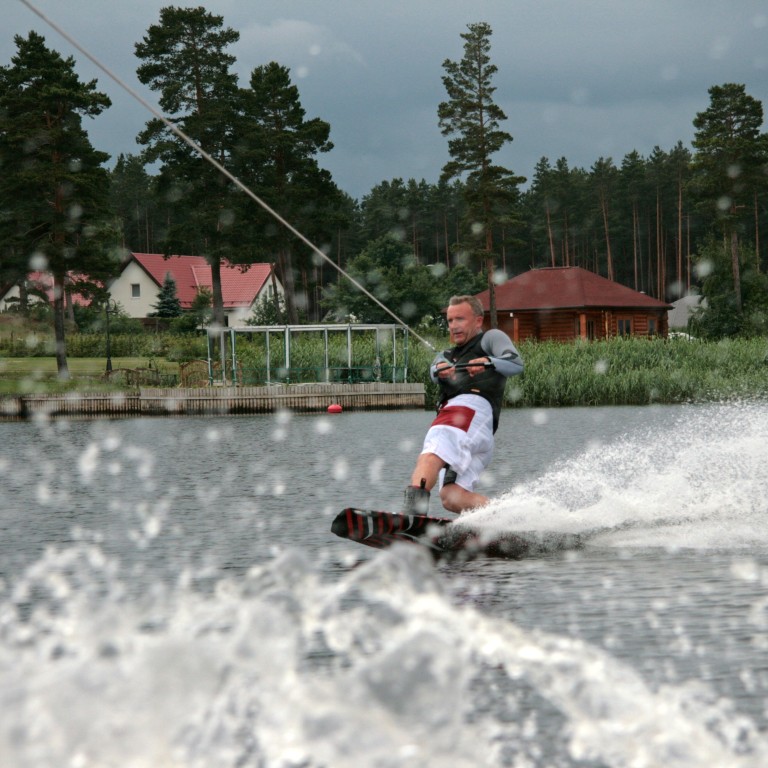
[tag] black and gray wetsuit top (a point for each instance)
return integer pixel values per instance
(493, 344)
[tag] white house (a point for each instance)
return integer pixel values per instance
(137, 288)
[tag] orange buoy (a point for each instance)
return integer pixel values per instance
(335, 408)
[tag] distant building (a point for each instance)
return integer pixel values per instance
(137, 287)
(568, 303)
(682, 309)
(40, 289)
(143, 274)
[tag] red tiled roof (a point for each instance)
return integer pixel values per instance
(566, 288)
(239, 286)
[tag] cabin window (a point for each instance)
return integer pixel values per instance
(652, 329)
(589, 329)
(624, 326)
(135, 290)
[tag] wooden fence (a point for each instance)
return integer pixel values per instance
(372, 396)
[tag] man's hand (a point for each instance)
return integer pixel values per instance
(473, 367)
(482, 364)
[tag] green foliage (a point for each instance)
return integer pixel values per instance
(168, 304)
(387, 269)
(132, 197)
(124, 343)
(93, 319)
(722, 315)
(198, 316)
(269, 310)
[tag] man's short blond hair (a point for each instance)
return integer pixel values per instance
(473, 301)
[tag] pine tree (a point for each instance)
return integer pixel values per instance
(729, 163)
(185, 59)
(52, 182)
(168, 304)
(277, 157)
(472, 117)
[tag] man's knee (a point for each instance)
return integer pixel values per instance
(451, 497)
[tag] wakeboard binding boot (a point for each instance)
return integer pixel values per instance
(416, 500)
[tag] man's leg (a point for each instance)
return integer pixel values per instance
(457, 499)
(423, 479)
(427, 469)
(453, 497)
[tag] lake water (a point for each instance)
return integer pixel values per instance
(172, 595)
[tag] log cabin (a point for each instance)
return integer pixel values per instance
(570, 303)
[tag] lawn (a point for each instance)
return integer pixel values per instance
(20, 375)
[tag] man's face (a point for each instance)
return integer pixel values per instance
(463, 324)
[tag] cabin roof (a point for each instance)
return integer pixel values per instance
(566, 288)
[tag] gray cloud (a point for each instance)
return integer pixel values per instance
(576, 80)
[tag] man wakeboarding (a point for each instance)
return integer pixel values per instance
(459, 443)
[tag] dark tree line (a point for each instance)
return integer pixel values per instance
(663, 224)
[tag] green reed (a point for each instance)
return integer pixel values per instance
(641, 371)
(634, 371)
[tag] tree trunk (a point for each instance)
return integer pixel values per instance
(289, 288)
(58, 327)
(447, 246)
(217, 296)
(608, 255)
(757, 234)
(687, 254)
(736, 270)
(491, 269)
(69, 305)
(491, 292)
(551, 238)
(23, 297)
(659, 248)
(679, 253)
(276, 294)
(635, 241)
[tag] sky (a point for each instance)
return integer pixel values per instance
(576, 79)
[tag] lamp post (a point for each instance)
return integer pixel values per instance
(109, 349)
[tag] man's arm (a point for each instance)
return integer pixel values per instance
(441, 361)
(502, 352)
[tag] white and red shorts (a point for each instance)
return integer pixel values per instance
(462, 436)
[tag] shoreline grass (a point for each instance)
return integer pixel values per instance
(610, 372)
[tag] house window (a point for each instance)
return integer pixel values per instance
(135, 290)
(652, 330)
(624, 326)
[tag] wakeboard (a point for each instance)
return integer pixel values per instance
(443, 537)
